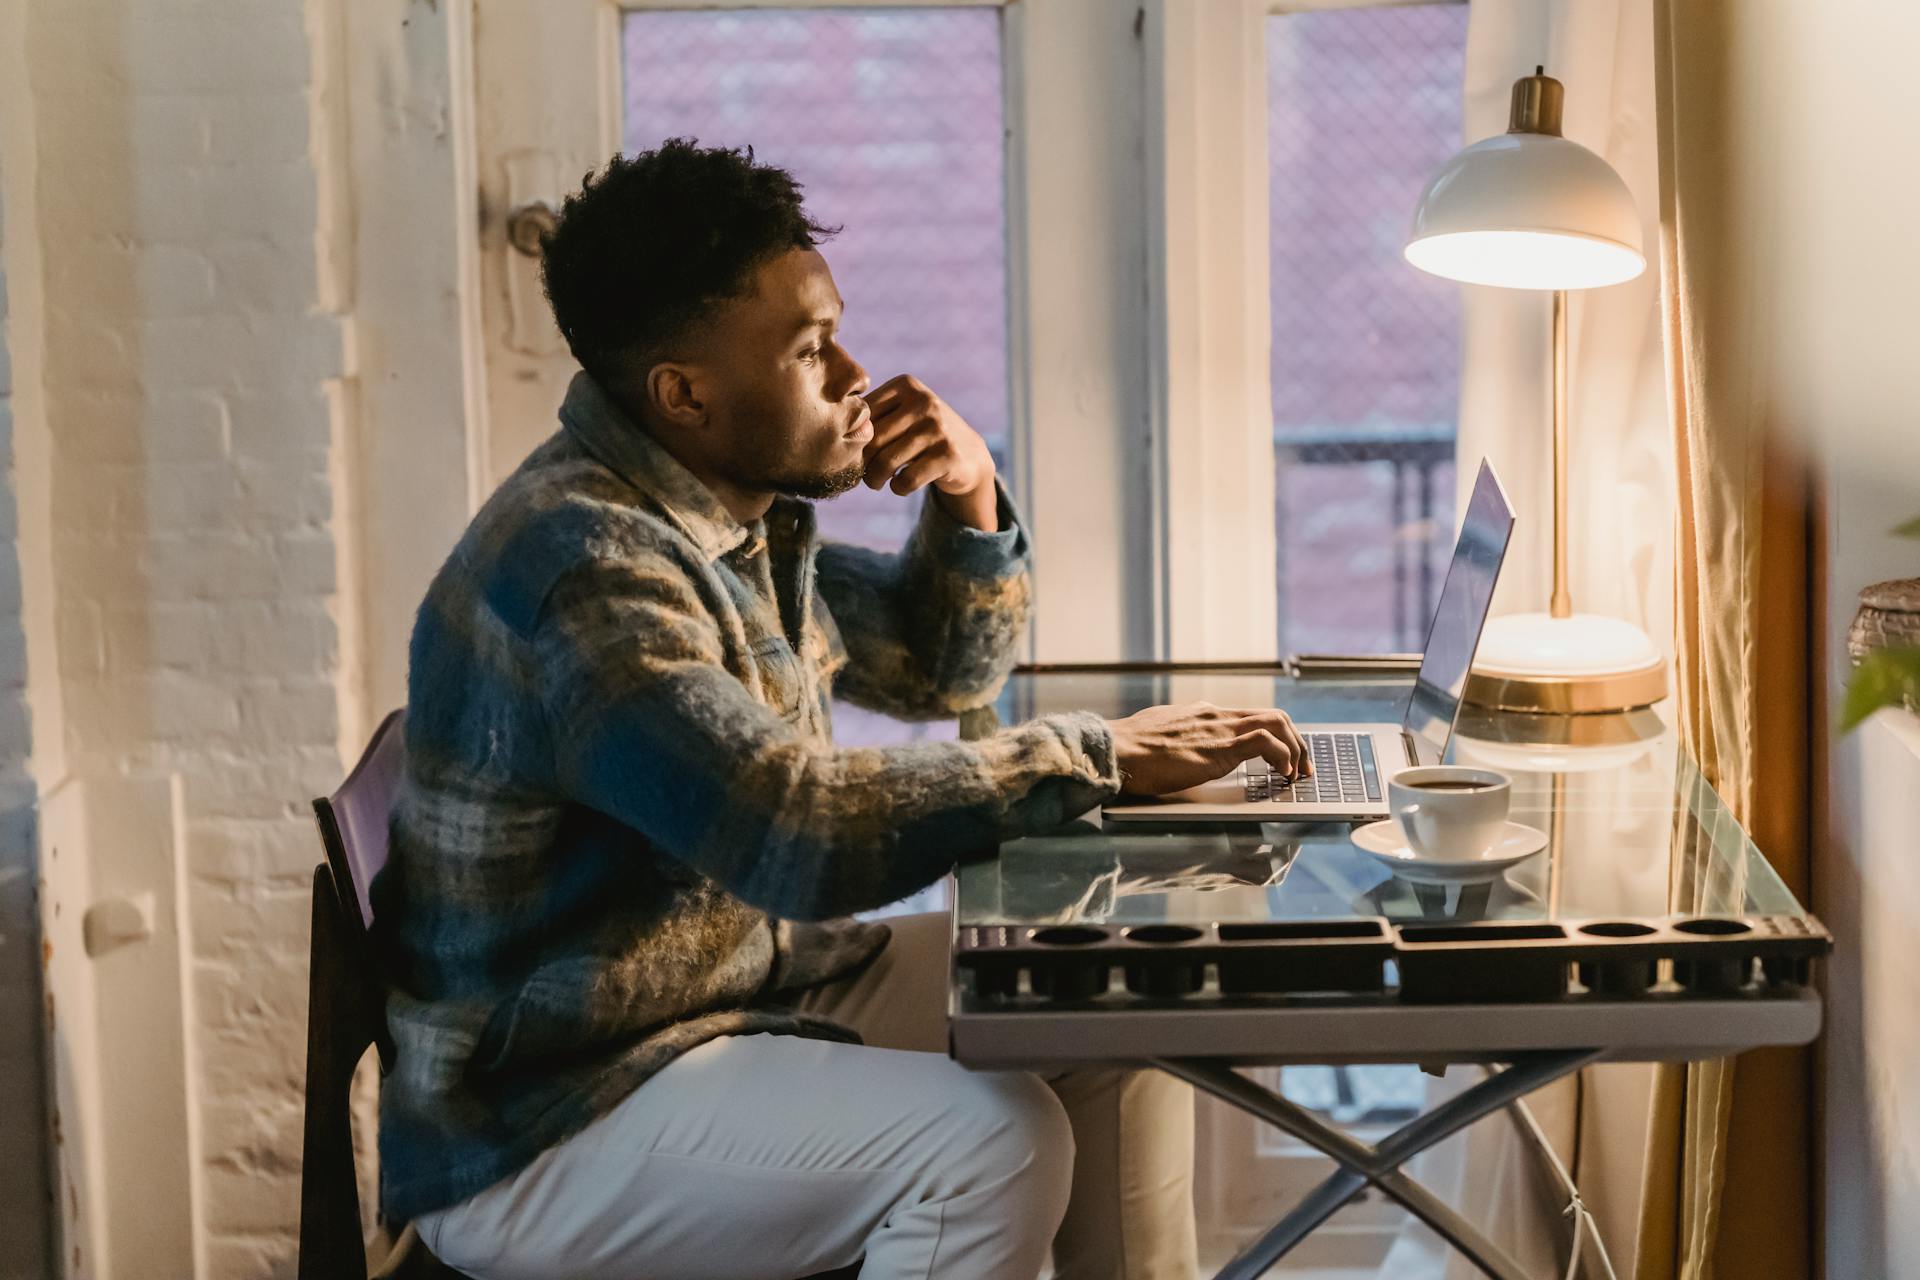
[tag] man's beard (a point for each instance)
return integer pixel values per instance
(818, 486)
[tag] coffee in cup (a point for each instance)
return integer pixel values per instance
(1450, 813)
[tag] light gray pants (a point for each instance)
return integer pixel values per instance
(773, 1157)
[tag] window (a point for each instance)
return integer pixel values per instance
(891, 119)
(1362, 106)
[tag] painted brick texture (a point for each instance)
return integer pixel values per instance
(192, 392)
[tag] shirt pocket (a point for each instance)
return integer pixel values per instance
(783, 683)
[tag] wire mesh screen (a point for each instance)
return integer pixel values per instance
(1363, 105)
(891, 119)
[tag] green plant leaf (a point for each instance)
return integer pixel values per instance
(1911, 529)
(1882, 679)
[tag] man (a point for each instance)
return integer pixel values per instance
(628, 1006)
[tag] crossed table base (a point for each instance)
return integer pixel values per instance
(1361, 1164)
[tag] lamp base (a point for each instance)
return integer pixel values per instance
(1565, 666)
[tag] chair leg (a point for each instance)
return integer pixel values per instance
(330, 1245)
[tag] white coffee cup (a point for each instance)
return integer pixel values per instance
(1450, 813)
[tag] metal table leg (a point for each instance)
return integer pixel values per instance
(1380, 1165)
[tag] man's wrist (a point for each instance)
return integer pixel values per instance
(978, 508)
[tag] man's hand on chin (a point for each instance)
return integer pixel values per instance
(919, 440)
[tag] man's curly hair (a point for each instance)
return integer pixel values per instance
(646, 246)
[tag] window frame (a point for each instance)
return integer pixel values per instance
(1207, 244)
(1216, 588)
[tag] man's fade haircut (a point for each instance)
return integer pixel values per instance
(646, 246)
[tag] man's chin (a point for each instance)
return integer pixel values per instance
(821, 486)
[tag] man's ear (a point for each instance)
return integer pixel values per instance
(671, 390)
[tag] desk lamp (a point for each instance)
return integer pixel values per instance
(1527, 209)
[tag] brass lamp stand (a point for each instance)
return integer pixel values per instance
(1564, 664)
(1529, 209)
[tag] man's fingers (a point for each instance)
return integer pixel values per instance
(924, 469)
(902, 392)
(1291, 735)
(891, 423)
(899, 420)
(896, 453)
(1263, 743)
(887, 394)
(1281, 725)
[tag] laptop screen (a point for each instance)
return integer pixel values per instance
(1465, 598)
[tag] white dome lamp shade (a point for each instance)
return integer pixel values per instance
(1530, 210)
(1527, 209)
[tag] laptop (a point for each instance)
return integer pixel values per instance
(1352, 762)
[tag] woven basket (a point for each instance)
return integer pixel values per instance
(1889, 618)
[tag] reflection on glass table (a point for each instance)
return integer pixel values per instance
(1635, 830)
(1646, 924)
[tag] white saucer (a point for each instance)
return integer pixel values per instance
(1387, 844)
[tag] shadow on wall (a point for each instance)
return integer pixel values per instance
(26, 1203)
(1872, 1111)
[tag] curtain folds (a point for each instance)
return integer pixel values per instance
(1729, 1142)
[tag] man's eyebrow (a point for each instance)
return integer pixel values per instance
(819, 321)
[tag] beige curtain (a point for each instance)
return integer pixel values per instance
(1730, 1142)
(1621, 469)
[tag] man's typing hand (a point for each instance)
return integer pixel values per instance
(1165, 749)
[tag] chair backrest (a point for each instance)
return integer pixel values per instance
(353, 820)
(345, 1003)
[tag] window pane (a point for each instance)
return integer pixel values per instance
(1363, 105)
(891, 118)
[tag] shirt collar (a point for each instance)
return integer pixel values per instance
(603, 429)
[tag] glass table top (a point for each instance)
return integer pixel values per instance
(1633, 828)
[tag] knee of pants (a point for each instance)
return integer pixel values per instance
(1018, 1135)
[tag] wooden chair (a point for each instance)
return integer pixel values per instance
(346, 1012)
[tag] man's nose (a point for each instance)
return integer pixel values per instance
(861, 382)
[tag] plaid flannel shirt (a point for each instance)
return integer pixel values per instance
(622, 806)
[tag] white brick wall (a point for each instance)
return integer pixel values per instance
(25, 1206)
(191, 377)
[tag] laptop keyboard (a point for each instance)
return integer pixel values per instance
(1344, 772)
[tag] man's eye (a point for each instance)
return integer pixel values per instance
(810, 353)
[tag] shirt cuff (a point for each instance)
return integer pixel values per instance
(1096, 763)
(971, 551)
(810, 953)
